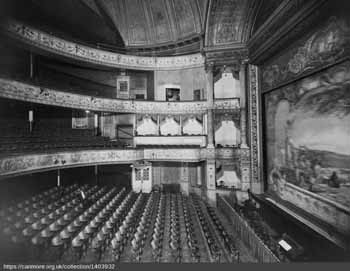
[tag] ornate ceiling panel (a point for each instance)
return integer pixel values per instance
(161, 24)
(228, 21)
(184, 17)
(138, 34)
(155, 22)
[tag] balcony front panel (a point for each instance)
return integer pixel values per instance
(62, 47)
(16, 90)
(170, 140)
(26, 92)
(27, 163)
(226, 104)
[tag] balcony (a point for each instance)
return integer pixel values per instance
(12, 89)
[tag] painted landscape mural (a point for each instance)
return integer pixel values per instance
(308, 135)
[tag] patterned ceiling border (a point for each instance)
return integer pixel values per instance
(26, 163)
(50, 43)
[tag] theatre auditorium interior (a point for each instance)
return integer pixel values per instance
(174, 131)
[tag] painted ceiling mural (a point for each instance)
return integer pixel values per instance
(308, 142)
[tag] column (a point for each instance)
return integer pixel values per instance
(181, 128)
(210, 101)
(96, 126)
(58, 178)
(210, 170)
(31, 65)
(245, 152)
(210, 129)
(134, 129)
(134, 184)
(243, 108)
(101, 120)
(158, 124)
(96, 174)
(30, 119)
(199, 175)
(211, 185)
(256, 185)
(184, 178)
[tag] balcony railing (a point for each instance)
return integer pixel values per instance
(16, 90)
(32, 162)
(49, 43)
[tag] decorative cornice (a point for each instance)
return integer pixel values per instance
(325, 46)
(282, 26)
(26, 163)
(55, 45)
(228, 55)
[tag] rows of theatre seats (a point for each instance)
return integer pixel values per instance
(17, 138)
(256, 221)
(113, 225)
(222, 245)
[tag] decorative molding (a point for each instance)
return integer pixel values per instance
(323, 47)
(170, 140)
(287, 21)
(253, 123)
(26, 163)
(231, 154)
(231, 55)
(11, 89)
(332, 236)
(35, 162)
(179, 155)
(232, 105)
(329, 211)
(50, 43)
(25, 92)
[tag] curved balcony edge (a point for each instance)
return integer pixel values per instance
(56, 45)
(22, 164)
(16, 90)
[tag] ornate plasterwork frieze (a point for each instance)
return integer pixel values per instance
(231, 56)
(50, 43)
(26, 163)
(253, 123)
(321, 48)
(25, 92)
(226, 104)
